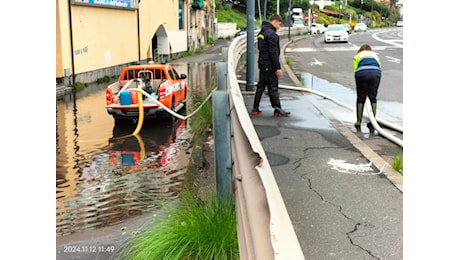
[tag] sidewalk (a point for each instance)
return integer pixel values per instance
(62, 90)
(340, 204)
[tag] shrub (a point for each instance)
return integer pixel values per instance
(198, 229)
(398, 163)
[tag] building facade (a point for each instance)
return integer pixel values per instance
(95, 38)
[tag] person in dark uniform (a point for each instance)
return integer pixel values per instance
(268, 43)
(366, 65)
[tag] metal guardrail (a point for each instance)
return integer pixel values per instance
(265, 230)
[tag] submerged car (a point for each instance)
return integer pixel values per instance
(336, 33)
(160, 81)
(360, 27)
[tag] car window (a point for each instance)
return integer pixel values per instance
(130, 74)
(157, 74)
(175, 74)
(171, 74)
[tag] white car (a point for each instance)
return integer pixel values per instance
(360, 27)
(317, 28)
(336, 33)
(298, 23)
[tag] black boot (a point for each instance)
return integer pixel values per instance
(256, 111)
(280, 112)
(359, 116)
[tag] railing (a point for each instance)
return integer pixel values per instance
(264, 228)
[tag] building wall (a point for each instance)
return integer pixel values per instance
(106, 39)
(103, 37)
(63, 47)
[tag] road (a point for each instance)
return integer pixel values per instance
(328, 68)
(337, 212)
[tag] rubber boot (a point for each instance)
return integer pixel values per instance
(374, 111)
(280, 112)
(359, 115)
(255, 107)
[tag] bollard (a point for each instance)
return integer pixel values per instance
(222, 146)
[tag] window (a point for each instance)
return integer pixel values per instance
(181, 16)
(171, 74)
(131, 74)
(175, 74)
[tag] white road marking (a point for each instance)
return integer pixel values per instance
(396, 42)
(392, 59)
(351, 48)
(317, 62)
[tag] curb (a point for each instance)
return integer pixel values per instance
(392, 175)
(62, 90)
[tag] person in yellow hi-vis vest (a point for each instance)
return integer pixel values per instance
(367, 68)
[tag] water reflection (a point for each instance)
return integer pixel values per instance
(101, 180)
(127, 176)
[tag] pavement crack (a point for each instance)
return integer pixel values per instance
(358, 246)
(340, 209)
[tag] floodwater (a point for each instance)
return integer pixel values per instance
(386, 110)
(102, 180)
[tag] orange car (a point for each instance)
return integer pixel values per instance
(161, 81)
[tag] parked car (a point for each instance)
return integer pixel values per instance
(317, 28)
(336, 33)
(360, 27)
(348, 27)
(298, 23)
(399, 23)
(160, 81)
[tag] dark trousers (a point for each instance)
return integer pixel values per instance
(270, 80)
(367, 85)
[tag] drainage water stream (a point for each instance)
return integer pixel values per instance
(101, 182)
(387, 110)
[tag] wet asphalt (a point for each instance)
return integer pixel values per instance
(341, 205)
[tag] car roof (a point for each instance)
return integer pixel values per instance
(149, 66)
(336, 25)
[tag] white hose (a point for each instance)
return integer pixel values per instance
(378, 128)
(381, 121)
(369, 110)
(173, 112)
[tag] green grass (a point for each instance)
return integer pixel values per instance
(398, 163)
(198, 229)
(233, 16)
(202, 120)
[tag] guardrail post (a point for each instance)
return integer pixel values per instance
(221, 129)
(222, 76)
(225, 54)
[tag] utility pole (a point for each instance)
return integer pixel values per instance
(250, 63)
(289, 19)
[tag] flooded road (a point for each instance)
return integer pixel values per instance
(390, 111)
(102, 180)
